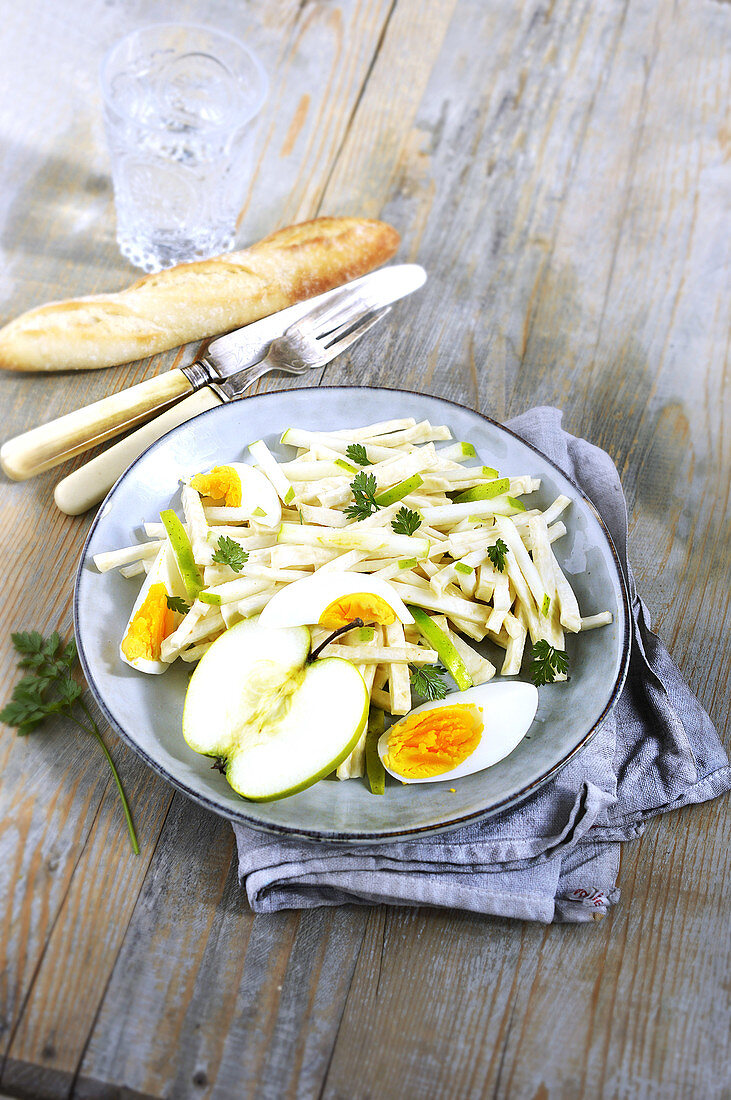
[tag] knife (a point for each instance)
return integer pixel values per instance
(46, 446)
(232, 355)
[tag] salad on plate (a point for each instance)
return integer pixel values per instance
(317, 599)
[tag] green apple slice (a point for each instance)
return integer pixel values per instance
(486, 491)
(235, 678)
(279, 721)
(321, 727)
(398, 491)
(444, 646)
(183, 551)
(457, 451)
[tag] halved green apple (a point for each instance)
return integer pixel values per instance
(279, 720)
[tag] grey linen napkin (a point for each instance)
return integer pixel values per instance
(555, 856)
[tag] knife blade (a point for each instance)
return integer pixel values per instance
(235, 353)
(46, 446)
(230, 354)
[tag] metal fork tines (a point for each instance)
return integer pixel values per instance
(305, 345)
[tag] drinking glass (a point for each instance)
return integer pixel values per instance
(179, 106)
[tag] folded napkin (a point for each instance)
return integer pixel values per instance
(555, 856)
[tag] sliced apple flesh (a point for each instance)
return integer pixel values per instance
(279, 721)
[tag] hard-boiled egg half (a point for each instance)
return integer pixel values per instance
(152, 620)
(240, 486)
(460, 734)
(332, 600)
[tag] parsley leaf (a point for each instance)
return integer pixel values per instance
(177, 603)
(356, 452)
(497, 553)
(426, 680)
(364, 488)
(50, 689)
(547, 662)
(69, 691)
(31, 644)
(231, 553)
(69, 655)
(405, 522)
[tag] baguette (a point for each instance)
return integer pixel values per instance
(196, 300)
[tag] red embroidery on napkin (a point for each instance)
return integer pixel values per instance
(593, 899)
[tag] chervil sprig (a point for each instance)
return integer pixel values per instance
(50, 689)
(426, 680)
(364, 488)
(356, 452)
(405, 522)
(231, 553)
(497, 553)
(547, 663)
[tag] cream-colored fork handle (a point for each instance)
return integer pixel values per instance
(90, 483)
(48, 445)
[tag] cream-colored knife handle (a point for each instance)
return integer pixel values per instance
(46, 446)
(91, 483)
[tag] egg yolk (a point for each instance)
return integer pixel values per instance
(434, 741)
(153, 621)
(358, 605)
(222, 483)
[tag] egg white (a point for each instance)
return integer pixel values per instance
(164, 570)
(303, 602)
(508, 710)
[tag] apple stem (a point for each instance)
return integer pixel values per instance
(335, 634)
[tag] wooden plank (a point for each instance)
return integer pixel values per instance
(69, 953)
(365, 173)
(205, 999)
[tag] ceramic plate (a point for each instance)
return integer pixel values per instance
(146, 710)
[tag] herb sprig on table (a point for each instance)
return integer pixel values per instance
(47, 689)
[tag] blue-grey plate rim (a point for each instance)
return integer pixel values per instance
(385, 835)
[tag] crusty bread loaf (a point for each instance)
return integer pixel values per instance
(196, 300)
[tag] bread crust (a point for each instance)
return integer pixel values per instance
(197, 300)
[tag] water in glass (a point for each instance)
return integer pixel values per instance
(178, 118)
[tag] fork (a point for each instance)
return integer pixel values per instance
(311, 341)
(307, 344)
(301, 348)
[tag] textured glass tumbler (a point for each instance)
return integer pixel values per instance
(179, 107)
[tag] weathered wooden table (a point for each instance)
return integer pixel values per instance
(560, 169)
